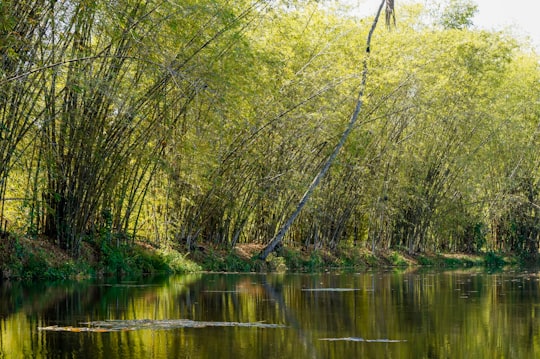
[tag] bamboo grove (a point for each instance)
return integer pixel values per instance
(198, 122)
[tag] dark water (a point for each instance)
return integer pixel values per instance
(459, 314)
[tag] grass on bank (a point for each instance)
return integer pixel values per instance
(243, 258)
(38, 259)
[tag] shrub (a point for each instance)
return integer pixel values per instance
(492, 259)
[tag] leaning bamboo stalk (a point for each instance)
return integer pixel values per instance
(278, 238)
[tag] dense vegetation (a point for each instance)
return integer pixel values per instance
(194, 124)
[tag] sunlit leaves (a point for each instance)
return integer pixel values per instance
(458, 14)
(204, 121)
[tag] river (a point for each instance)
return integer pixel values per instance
(379, 314)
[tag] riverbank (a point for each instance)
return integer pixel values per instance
(38, 259)
(243, 258)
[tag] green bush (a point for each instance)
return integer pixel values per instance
(175, 262)
(397, 260)
(293, 259)
(315, 261)
(425, 261)
(492, 259)
(276, 263)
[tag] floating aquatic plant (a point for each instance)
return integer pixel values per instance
(125, 325)
(354, 339)
(329, 289)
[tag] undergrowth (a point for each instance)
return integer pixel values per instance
(38, 259)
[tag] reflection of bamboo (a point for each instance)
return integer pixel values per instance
(306, 340)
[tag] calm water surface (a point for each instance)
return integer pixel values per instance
(457, 314)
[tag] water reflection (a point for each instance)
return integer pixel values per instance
(459, 314)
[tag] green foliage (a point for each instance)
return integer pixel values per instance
(202, 122)
(492, 259)
(458, 14)
(459, 261)
(425, 260)
(115, 260)
(68, 271)
(134, 261)
(23, 261)
(396, 259)
(315, 261)
(173, 261)
(218, 261)
(351, 256)
(293, 259)
(276, 263)
(297, 260)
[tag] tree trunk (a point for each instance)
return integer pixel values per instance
(352, 121)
